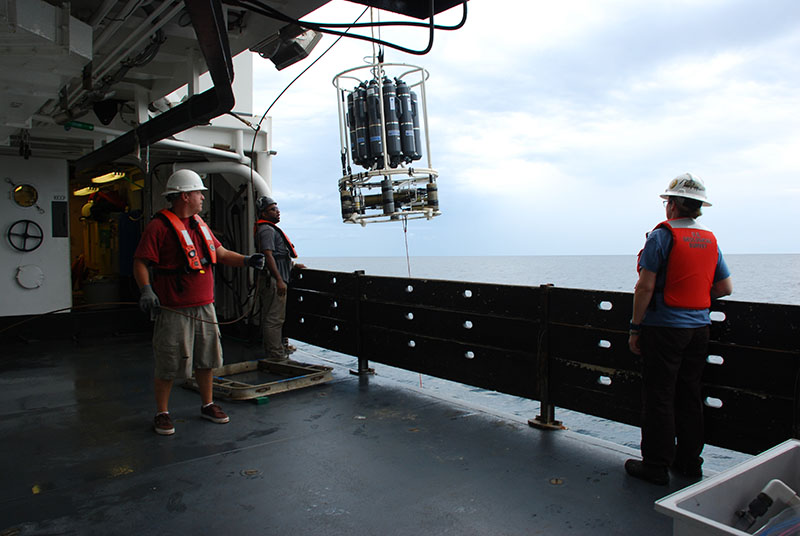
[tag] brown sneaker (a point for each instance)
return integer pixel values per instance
(162, 424)
(214, 413)
(287, 347)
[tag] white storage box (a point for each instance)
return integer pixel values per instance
(709, 507)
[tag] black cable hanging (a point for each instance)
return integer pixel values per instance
(275, 14)
(264, 115)
(267, 11)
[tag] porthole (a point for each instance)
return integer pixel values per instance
(25, 195)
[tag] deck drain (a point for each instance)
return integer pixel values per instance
(556, 481)
(250, 473)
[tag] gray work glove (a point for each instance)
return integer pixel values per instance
(148, 301)
(256, 261)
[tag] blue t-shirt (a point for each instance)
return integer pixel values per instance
(654, 258)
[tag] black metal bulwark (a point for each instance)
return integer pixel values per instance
(363, 362)
(564, 347)
(547, 411)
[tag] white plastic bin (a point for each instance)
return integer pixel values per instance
(709, 507)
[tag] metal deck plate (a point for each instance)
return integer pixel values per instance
(258, 378)
(356, 455)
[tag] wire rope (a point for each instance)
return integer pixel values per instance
(264, 115)
(257, 129)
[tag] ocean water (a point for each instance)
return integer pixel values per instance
(758, 278)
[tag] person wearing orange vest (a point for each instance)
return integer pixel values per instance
(273, 282)
(180, 250)
(681, 269)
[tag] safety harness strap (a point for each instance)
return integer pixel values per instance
(289, 245)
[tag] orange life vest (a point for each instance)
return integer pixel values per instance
(691, 264)
(289, 245)
(194, 261)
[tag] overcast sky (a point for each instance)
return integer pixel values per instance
(555, 126)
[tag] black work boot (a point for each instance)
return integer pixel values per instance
(655, 474)
(692, 469)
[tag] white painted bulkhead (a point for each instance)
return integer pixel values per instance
(36, 281)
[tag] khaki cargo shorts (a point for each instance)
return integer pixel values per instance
(185, 341)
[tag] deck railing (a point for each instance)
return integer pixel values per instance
(566, 348)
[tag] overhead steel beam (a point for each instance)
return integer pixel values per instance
(212, 37)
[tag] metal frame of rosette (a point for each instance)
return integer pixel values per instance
(390, 188)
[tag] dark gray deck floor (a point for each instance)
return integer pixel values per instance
(353, 456)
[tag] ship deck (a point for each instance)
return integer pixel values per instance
(357, 455)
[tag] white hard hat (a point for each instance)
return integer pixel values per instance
(184, 180)
(263, 202)
(688, 186)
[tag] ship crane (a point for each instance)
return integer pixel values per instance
(383, 128)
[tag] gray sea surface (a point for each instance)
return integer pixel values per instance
(758, 278)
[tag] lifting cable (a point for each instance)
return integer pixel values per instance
(257, 129)
(408, 266)
(405, 237)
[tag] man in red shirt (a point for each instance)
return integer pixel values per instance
(172, 266)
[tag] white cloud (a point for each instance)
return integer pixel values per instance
(512, 179)
(691, 74)
(551, 112)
